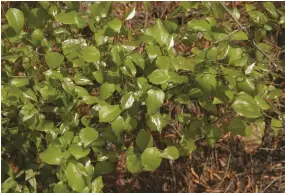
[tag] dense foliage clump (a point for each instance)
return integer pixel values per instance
(83, 85)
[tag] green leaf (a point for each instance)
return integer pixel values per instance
(155, 99)
(276, 125)
(199, 25)
(144, 140)
(79, 79)
(98, 76)
(156, 122)
(19, 82)
(137, 59)
(52, 155)
(238, 126)
(133, 161)
(106, 90)
(245, 105)
(118, 125)
(74, 178)
(258, 17)
(54, 59)
(88, 135)
(97, 185)
(115, 24)
(206, 80)
(90, 54)
(15, 19)
(213, 134)
(153, 52)
(77, 151)
(109, 113)
(261, 103)
(60, 188)
(270, 7)
(170, 152)
(159, 76)
(240, 35)
(54, 74)
(222, 50)
(151, 158)
(246, 85)
(127, 101)
(159, 33)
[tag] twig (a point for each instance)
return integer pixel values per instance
(273, 181)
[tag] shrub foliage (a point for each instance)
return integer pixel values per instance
(81, 87)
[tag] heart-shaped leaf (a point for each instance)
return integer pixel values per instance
(170, 152)
(90, 54)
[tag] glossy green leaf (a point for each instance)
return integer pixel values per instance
(261, 103)
(159, 33)
(156, 122)
(19, 82)
(74, 177)
(88, 135)
(151, 158)
(159, 76)
(154, 100)
(79, 79)
(222, 50)
(54, 59)
(52, 155)
(246, 85)
(246, 106)
(78, 151)
(15, 19)
(170, 152)
(213, 134)
(127, 101)
(106, 90)
(109, 113)
(90, 54)
(97, 185)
